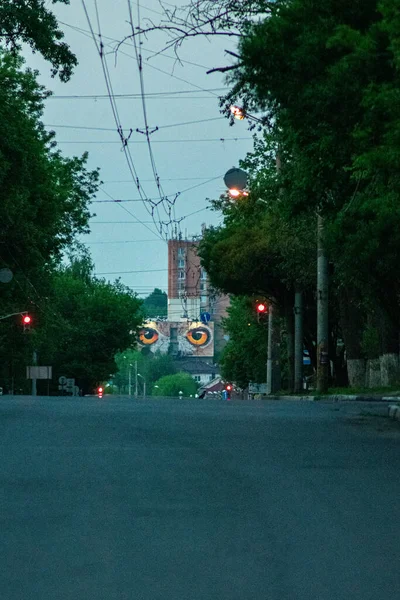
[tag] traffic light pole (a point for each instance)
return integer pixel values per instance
(273, 368)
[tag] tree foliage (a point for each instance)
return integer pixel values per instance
(151, 366)
(45, 204)
(87, 322)
(244, 358)
(171, 385)
(31, 22)
(156, 304)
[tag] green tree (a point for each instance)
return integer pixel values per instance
(171, 385)
(151, 366)
(31, 22)
(89, 321)
(336, 64)
(156, 304)
(45, 199)
(244, 358)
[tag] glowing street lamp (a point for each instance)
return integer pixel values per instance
(237, 112)
(240, 114)
(236, 181)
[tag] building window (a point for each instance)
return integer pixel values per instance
(203, 300)
(181, 251)
(203, 287)
(203, 275)
(181, 263)
(197, 378)
(181, 275)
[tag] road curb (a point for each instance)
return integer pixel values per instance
(394, 412)
(336, 398)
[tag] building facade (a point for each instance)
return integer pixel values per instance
(189, 292)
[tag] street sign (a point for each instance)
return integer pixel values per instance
(205, 317)
(62, 380)
(70, 383)
(35, 372)
(257, 388)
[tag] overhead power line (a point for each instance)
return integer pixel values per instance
(125, 272)
(158, 127)
(188, 141)
(131, 96)
(87, 33)
(143, 222)
(123, 139)
(125, 242)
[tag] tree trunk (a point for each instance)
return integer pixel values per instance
(289, 321)
(352, 325)
(356, 372)
(389, 350)
(373, 378)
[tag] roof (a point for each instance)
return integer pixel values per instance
(197, 366)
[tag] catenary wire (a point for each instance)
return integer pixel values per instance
(123, 140)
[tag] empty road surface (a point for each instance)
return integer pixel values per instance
(116, 499)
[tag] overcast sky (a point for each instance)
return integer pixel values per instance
(186, 155)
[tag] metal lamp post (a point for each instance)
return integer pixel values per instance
(240, 114)
(144, 385)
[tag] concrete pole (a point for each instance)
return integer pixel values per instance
(136, 379)
(298, 342)
(269, 351)
(34, 362)
(273, 367)
(322, 312)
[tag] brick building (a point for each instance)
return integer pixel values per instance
(189, 291)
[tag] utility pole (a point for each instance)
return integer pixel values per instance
(322, 311)
(136, 379)
(298, 342)
(130, 381)
(274, 334)
(273, 368)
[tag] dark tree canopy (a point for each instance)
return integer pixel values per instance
(156, 304)
(31, 22)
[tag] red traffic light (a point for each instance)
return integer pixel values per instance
(228, 387)
(262, 308)
(100, 390)
(26, 319)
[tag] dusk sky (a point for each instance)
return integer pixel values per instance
(189, 158)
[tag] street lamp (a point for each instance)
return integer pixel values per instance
(240, 114)
(236, 181)
(322, 298)
(130, 380)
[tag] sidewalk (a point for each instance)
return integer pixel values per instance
(393, 409)
(337, 398)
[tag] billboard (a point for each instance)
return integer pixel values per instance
(183, 338)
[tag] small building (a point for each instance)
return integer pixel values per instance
(202, 371)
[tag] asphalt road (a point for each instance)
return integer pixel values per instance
(197, 500)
